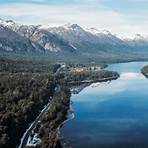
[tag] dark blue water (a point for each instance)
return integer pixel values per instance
(111, 115)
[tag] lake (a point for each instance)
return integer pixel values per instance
(111, 115)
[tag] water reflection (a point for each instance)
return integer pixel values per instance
(111, 114)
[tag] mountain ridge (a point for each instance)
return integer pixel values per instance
(71, 40)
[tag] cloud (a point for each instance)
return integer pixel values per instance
(85, 15)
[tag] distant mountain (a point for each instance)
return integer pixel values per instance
(70, 42)
(137, 41)
(42, 37)
(77, 36)
(11, 41)
(89, 44)
(105, 36)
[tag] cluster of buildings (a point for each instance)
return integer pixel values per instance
(84, 69)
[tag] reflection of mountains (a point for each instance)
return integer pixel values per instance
(131, 75)
(94, 85)
(77, 89)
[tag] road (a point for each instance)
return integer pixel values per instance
(28, 132)
(32, 126)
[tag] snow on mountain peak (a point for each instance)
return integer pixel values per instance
(9, 23)
(106, 32)
(93, 30)
(96, 31)
(139, 37)
(72, 26)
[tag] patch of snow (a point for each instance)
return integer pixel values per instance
(33, 141)
(67, 26)
(8, 48)
(92, 30)
(24, 135)
(73, 46)
(95, 85)
(139, 37)
(96, 31)
(71, 26)
(10, 24)
(22, 139)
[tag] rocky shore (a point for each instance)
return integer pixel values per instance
(145, 71)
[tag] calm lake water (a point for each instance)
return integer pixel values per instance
(111, 115)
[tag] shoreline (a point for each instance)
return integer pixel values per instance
(66, 116)
(130, 61)
(70, 135)
(146, 75)
(94, 81)
(71, 109)
(144, 71)
(70, 116)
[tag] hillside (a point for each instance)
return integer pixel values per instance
(68, 43)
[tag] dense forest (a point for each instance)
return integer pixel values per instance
(22, 96)
(91, 76)
(15, 66)
(25, 88)
(56, 114)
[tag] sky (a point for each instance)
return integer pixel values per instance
(124, 18)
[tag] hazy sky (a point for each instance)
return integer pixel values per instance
(121, 17)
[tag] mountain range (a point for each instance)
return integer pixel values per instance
(69, 43)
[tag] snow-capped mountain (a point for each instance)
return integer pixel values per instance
(11, 41)
(43, 38)
(137, 41)
(70, 40)
(86, 40)
(72, 33)
(96, 31)
(10, 24)
(105, 36)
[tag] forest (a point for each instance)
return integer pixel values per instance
(91, 76)
(22, 96)
(54, 118)
(25, 88)
(31, 66)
